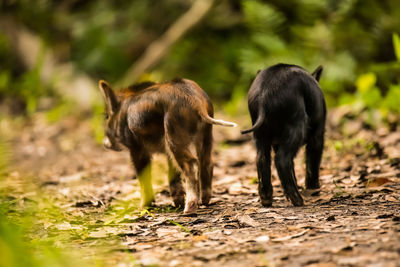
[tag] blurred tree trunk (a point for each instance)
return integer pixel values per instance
(64, 78)
(155, 52)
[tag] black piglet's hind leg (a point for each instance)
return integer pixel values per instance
(285, 168)
(314, 150)
(264, 172)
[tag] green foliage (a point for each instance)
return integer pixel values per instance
(30, 88)
(20, 245)
(4, 157)
(97, 123)
(4, 80)
(36, 231)
(312, 33)
(392, 99)
(223, 53)
(27, 87)
(14, 252)
(340, 191)
(59, 111)
(396, 45)
(183, 228)
(371, 97)
(262, 17)
(23, 221)
(369, 93)
(338, 145)
(14, 227)
(106, 34)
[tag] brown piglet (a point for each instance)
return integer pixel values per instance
(174, 118)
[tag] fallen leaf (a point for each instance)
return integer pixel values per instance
(143, 246)
(200, 238)
(323, 264)
(290, 218)
(235, 189)
(227, 232)
(251, 210)
(227, 179)
(230, 226)
(385, 216)
(72, 178)
(390, 198)
(98, 234)
(343, 250)
(246, 220)
(288, 237)
(149, 260)
(63, 226)
(161, 232)
(175, 263)
(377, 182)
(262, 239)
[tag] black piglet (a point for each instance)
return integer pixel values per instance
(287, 108)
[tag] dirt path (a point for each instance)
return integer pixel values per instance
(354, 220)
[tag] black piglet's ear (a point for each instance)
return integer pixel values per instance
(109, 97)
(317, 73)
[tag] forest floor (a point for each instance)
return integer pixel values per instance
(85, 198)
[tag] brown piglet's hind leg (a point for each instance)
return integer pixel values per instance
(204, 148)
(180, 149)
(188, 164)
(175, 185)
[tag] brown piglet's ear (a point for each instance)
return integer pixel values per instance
(109, 97)
(317, 73)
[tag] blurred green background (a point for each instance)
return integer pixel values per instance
(354, 40)
(52, 53)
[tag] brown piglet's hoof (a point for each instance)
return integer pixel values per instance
(191, 207)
